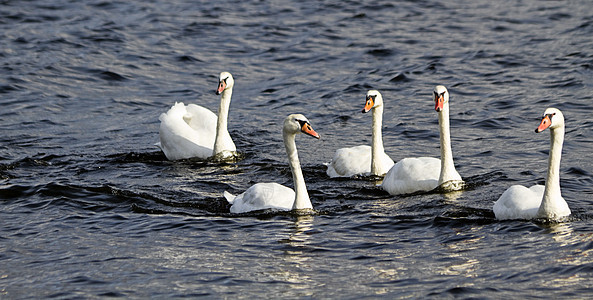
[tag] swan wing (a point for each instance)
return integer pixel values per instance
(263, 196)
(411, 175)
(229, 197)
(519, 202)
(187, 131)
(348, 162)
(202, 121)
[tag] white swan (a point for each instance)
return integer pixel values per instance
(273, 195)
(194, 131)
(411, 175)
(363, 159)
(519, 202)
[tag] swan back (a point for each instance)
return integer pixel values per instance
(412, 174)
(187, 131)
(519, 202)
(259, 196)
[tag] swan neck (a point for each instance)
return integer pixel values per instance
(552, 188)
(377, 141)
(448, 171)
(302, 200)
(222, 132)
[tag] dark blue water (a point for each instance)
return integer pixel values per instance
(90, 208)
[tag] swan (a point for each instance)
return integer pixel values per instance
(417, 174)
(519, 202)
(273, 195)
(195, 131)
(363, 159)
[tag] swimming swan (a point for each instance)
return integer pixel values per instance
(363, 159)
(195, 131)
(411, 175)
(519, 202)
(273, 195)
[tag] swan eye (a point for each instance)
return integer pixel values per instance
(302, 123)
(547, 119)
(437, 95)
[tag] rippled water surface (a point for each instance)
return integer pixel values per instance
(89, 207)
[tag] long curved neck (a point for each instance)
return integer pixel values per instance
(377, 141)
(552, 188)
(448, 171)
(302, 200)
(221, 124)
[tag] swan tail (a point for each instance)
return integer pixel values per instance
(187, 118)
(331, 171)
(229, 197)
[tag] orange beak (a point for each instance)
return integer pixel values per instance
(307, 129)
(439, 101)
(221, 87)
(368, 105)
(545, 123)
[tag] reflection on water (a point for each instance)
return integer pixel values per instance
(458, 249)
(561, 232)
(564, 234)
(452, 196)
(300, 236)
(467, 268)
(296, 262)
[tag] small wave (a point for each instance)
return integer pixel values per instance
(381, 52)
(400, 77)
(188, 58)
(5, 89)
(564, 83)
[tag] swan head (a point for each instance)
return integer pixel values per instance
(440, 96)
(373, 99)
(297, 123)
(225, 82)
(552, 118)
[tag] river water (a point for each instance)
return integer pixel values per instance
(89, 207)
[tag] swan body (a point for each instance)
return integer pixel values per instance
(538, 201)
(363, 159)
(269, 195)
(411, 175)
(195, 131)
(273, 195)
